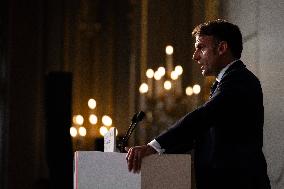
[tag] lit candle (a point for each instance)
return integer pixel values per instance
(142, 100)
(143, 89)
(178, 86)
(196, 90)
(179, 70)
(169, 59)
(159, 85)
(150, 85)
(169, 100)
(150, 75)
(174, 77)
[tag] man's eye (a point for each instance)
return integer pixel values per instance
(200, 47)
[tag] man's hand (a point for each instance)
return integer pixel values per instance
(136, 154)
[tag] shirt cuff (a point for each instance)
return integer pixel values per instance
(154, 144)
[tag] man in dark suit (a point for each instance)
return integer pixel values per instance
(227, 131)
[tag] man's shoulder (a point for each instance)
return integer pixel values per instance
(239, 72)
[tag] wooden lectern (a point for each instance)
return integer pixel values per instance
(108, 170)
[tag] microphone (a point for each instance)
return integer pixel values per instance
(133, 120)
(140, 116)
(137, 117)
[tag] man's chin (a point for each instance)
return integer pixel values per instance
(204, 73)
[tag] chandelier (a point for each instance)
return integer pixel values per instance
(89, 126)
(163, 97)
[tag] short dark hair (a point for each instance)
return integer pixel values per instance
(222, 30)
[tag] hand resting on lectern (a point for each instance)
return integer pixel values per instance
(136, 154)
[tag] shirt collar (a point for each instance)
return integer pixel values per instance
(221, 73)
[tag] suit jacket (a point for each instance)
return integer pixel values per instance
(226, 133)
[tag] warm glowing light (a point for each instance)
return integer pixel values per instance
(162, 71)
(116, 131)
(169, 50)
(174, 75)
(188, 91)
(79, 120)
(178, 69)
(106, 120)
(167, 85)
(157, 75)
(93, 119)
(74, 119)
(196, 89)
(143, 88)
(73, 131)
(150, 73)
(92, 103)
(82, 131)
(103, 130)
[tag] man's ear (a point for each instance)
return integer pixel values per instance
(223, 47)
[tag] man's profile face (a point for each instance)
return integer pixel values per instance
(206, 55)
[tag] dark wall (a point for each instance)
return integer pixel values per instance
(38, 37)
(32, 46)
(34, 32)
(25, 79)
(3, 90)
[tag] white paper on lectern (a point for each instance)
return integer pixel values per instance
(110, 140)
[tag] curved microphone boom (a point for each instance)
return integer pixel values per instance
(134, 121)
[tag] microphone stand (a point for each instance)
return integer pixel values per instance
(134, 121)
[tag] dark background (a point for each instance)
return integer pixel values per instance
(55, 54)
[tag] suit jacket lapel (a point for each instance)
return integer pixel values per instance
(236, 66)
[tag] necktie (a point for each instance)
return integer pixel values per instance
(213, 88)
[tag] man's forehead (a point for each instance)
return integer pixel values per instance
(203, 39)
